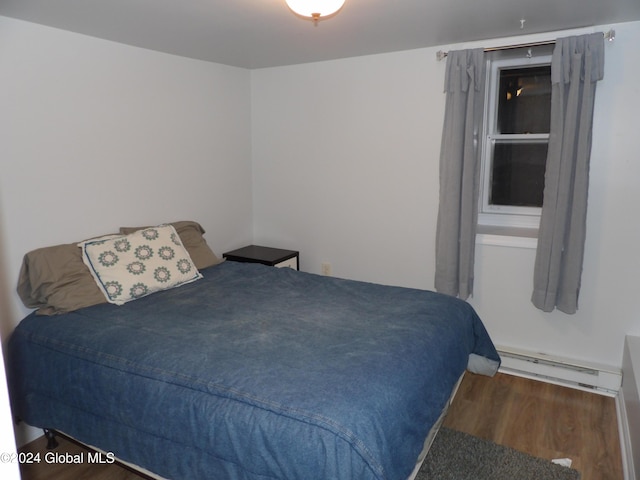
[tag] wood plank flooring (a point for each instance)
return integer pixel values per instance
(544, 420)
(541, 419)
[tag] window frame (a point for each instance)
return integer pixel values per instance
(502, 216)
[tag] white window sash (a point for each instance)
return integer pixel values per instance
(504, 215)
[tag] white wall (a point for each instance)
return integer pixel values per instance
(95, 135)
(345, 163)
(345, 168)
(8, 470)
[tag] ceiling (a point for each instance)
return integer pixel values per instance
(265, 33)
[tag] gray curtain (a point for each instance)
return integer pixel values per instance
(460, 172)
(577, 64)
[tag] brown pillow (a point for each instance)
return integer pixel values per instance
(191, 235)
(55, 280)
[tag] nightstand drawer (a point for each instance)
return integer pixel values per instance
(291, 263)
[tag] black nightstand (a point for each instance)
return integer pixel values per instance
(275, 257)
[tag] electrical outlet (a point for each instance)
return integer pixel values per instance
(326, 269)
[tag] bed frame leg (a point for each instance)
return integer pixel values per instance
(51, 439)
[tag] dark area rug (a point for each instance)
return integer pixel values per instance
(458, 456)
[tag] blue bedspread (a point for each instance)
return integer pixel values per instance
(253, 372)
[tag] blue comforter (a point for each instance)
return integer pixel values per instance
(252, 372)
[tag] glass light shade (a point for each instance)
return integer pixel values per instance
(315, 9)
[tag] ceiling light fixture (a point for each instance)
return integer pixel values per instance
(315, 10)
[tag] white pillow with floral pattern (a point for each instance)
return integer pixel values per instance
(128, 267)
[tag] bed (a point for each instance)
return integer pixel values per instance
(248, 372)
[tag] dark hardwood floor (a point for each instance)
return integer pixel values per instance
(541, 419)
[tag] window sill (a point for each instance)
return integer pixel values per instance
(507, 236)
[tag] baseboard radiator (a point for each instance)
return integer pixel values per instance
(561, 371)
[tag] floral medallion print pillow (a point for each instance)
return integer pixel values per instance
(128, 267)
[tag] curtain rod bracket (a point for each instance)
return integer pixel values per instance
(610, 36)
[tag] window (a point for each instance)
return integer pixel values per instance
(515, 140)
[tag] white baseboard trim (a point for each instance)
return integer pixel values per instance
(628, 467)
(629, 404)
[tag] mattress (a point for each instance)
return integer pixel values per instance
(252, 372)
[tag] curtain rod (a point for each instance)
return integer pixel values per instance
(610, 35)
